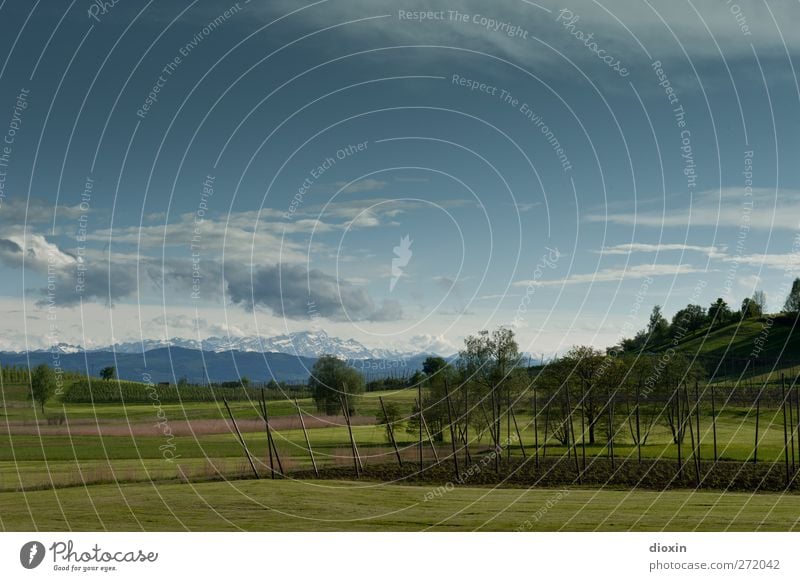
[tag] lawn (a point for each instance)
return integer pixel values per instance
(284, 505)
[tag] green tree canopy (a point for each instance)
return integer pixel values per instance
(719, 313)
(792, 304)
(331, 378)
(43, 384)
(688, 319)
(750, 309)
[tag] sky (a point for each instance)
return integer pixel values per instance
(401, 173)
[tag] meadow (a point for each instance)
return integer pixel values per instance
(175, 466)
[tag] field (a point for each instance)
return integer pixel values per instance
(177, 466)
(346, 506)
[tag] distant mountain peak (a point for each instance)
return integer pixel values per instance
(303, 343)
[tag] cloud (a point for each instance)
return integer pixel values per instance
(427, 343)
(790, 261)
(666, 29)
(771, 209)
(36, 211)
(292, 291)
(284, 288)
(637, 272)
(365, 185)
(626, 249)
(38, 253)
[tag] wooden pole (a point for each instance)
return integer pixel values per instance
(678, 426)
(308, 441)
(638, 424)
(241, 439)
(519, 435)
(390, 429)
(546, 425)
(697, 422)
(430, 439)
(270, 439)
(611, 429)
(571, 430)
(583, 425)
(421, 420)
(691, 435)
(535, 431)
(496, 429)
(467, 457)
(489, 424)
(356, 459)
(790, 404)
(452, 431)
(758, 413)
(785, 435)
(262, 406)
(508, 423)
(714, 421)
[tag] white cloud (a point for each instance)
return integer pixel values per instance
(728, 207)
(428, 343)
(365, 185)
(627, 249)
(665, 29)
(637, 272)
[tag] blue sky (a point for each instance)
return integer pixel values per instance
(530, 152)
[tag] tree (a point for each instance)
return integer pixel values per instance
(587, 366)
(43, 384)
(491, 371)
(719, 313)
(688, 319)
(760, 298)
(331, 378)
(435, 372)
(657, 326)
(750, 309)
(433, 365)
(108, 373)
(792, 304)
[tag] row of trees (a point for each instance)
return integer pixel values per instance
(692, 317)
(481, 388)
(14, 374)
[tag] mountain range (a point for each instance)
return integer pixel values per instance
(311, 344)
(217, 359)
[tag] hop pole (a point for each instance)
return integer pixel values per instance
(308, 441)
(390, 429)
(241, 439)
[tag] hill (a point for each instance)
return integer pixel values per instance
(757, 344)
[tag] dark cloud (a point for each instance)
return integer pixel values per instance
(299, 293)
(9, 247)
(288, 290)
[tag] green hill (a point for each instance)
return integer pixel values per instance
(756, 344)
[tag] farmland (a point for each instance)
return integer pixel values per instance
(101, 466)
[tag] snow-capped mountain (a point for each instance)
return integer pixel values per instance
(304, 344)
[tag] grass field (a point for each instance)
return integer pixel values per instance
(346, 506)
(105, 466)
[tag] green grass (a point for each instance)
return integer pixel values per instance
(738, 340)
(344, 506)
